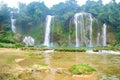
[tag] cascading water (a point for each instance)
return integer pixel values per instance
(47, 30)
(104, 34)
(83, 28)
(77, 41)
(90, 30)
(12, 23)
(28, 40)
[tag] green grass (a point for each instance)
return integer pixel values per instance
(10, 45)
(31, 55)
(43, 64)
(81, 69)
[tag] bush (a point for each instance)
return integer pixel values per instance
(18, 45)
(81, 69)
(1, 45)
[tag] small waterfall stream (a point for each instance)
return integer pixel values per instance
(13, 23)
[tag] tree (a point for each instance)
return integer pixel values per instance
(4, 17)
(30, 16)
(93, 7)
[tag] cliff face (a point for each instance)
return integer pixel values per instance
(83, 29)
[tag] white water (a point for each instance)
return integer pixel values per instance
(12, 25)
(104, 34)
(47, 31)
(83, 27)
(28, 40)
(90, 30)
(103, 52)
(77, 41)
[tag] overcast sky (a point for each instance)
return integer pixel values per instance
(48, 3)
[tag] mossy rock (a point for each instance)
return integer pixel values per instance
(95, 50)
(81, 69)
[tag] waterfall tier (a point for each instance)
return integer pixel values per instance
(85, 31)
(83, 27)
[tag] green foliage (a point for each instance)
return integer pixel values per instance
(71, 50)
(81, 69)
(30, 16)
(115, 45)
(7, 37)
(9, 45)
(6, 34)
(93, 7)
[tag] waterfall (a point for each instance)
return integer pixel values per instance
(77, 41)
(28, 40)
(47, 30)
(90, 30)
(104, 34)
(83, 28)
(13, 23)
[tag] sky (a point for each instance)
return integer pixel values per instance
(48, 3)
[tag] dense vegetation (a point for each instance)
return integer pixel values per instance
(5, 30)
(30, 19)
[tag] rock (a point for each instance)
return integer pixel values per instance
(18, 60)
(59, 70)
(92, 76)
